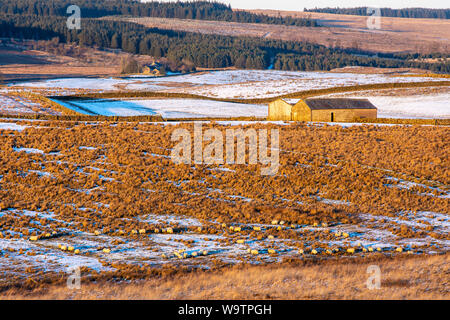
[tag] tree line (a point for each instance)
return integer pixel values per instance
(388, 12)
(202, 50)
(202, 10)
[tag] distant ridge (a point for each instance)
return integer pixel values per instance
(424, 13)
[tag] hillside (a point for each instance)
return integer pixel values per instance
(425, 13)
(396, 34)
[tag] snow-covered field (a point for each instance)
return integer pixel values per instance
(302, 82)
(241, 84)
(227, 84)
(425, 107)
(430, 106)
(10, 104)
(105, 84)
(11, 126)
(167, 108)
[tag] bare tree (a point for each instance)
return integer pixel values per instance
(129, 65)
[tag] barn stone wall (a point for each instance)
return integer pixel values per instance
(301, 112)
(343, 115)
(279, 110)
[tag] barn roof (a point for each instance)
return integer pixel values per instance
(339, 103)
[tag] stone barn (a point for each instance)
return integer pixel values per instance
(153, 69)
(325, 110)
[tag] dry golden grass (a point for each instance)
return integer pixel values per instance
(396, 34)
(130, 173)
(421, 277)
(50, 61)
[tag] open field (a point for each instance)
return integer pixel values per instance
(267, 86)
(345, 31)
(17, 104)
(106, 196)
(407, 104)
(413, 278)
(19, 61)
(167, 108)
(239, 84)
(232, 93)
(420, 107)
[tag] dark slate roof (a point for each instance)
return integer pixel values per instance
(339, 103)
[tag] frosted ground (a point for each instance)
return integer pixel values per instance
(302, 82)
(167, 108)
(429, 106)
(227, 84)
(157, 249)
(244, 84)
(17, 104)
